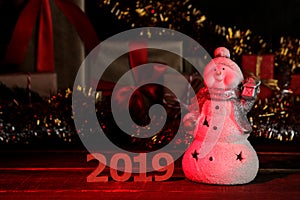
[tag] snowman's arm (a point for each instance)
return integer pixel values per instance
(190, 120)
(246, 104)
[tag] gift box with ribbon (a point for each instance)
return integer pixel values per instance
(148, 94)
(50, 36)
(261, 66)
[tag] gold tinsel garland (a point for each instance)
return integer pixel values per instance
(288, 53)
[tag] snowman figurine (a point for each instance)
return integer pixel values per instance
(221, 153)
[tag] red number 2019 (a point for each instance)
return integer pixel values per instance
(140, 159)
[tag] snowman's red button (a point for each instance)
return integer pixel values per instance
(217, 107)
(215, 128)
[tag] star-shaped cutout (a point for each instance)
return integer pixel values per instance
(205, 123)
(239, 156)
(195, 155)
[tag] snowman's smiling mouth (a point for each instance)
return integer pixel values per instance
(219, 78)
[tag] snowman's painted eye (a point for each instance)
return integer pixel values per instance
(223, 68)
(215, 69)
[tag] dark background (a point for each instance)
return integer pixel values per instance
(265, 17)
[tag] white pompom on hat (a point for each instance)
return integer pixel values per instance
(222, 52)
(222, 56)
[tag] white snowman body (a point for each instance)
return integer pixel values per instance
(221, 152)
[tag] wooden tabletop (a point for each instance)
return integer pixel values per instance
(62, 174)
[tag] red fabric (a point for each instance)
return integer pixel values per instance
(40, 9)
(45, 51)
(17, 47)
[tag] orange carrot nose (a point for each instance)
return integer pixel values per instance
(219, 72)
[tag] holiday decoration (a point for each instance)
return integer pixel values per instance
(221, 153)
(26, 118)
(48, 122)
(276, 119)
(148, 94)
(267, 122)
(50, 37)
(187, 17)
(156, 13)
(261, 66)
(288, 53)
(41, 10)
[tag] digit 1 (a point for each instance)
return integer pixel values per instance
(142, 175)
(169, 168)
(114, 167)
(93, 177)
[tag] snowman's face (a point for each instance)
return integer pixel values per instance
(222, 75)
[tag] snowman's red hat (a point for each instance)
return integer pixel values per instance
(222, 56)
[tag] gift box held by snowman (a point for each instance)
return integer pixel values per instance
(221, 152)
